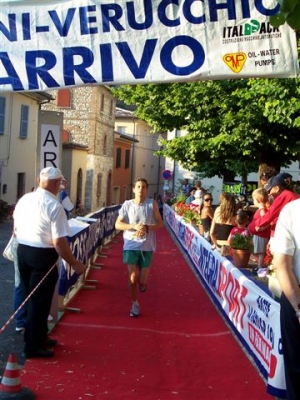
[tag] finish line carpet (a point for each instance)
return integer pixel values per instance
(179, 348)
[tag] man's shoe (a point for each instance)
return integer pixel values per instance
(20, 331)
(39, 353)
(50, 342)
(135, 310)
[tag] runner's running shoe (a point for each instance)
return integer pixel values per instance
(135, 310)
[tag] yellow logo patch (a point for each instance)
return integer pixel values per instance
(235, 61)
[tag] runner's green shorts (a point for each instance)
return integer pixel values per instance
(137, 257)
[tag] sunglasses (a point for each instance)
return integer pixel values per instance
(208, 199)
(264, 176)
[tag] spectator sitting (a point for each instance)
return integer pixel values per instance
(199, 191)
(224, 220)
(191, 196)
(186, 187)
(206, 215)
(242, 221)
(198, 198)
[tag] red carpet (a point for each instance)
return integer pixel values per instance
(179, 348)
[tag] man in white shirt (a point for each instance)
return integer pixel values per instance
(286, 261)
(41, 227)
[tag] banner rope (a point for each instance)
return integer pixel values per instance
(25, 301)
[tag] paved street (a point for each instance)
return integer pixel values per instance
(10, 341)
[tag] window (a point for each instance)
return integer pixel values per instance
(111, 108)
(105, 145)
(102, 103)
(79, 200)
(127, 158)
(64, 98)
(66, 136)
(121, 129)
(99, 184)
(118, 157)
(116, 195)
(24, 121)
(2, 115)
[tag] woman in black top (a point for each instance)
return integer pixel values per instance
(206, 215)
(224, 220)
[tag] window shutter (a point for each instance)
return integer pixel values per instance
(127, 158)
(24, 121)
(2, 115)
(118, 157)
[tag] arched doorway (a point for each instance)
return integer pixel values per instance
(79, 205)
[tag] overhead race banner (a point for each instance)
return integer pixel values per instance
(53, 44)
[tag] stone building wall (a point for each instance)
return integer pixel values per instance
(90, 119)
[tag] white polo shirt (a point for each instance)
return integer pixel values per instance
(286, 239)
(39, 218)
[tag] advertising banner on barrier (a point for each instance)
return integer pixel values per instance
(85, 241)
(251, 312)
(53, 44)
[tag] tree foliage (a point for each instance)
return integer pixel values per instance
(234, 126)
(289, 13)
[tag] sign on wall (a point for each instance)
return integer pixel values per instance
(54, 44)
(50, 146)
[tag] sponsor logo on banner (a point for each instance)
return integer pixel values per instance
(235, 61)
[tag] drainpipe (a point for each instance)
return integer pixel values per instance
(133, 157)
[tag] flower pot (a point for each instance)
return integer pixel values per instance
(240, 257)
(191, 221)
(274, 286)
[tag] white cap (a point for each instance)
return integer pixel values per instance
(50, 173)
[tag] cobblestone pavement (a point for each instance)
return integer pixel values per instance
(10, 341)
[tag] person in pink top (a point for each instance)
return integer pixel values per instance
(261, 201)
(242, 221)
(280, 189)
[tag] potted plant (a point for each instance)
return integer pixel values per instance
(241, 246)
(189, 212)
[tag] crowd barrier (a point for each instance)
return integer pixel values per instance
(249, 310)
(90, 234)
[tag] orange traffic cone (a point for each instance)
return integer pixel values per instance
(11, 387)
